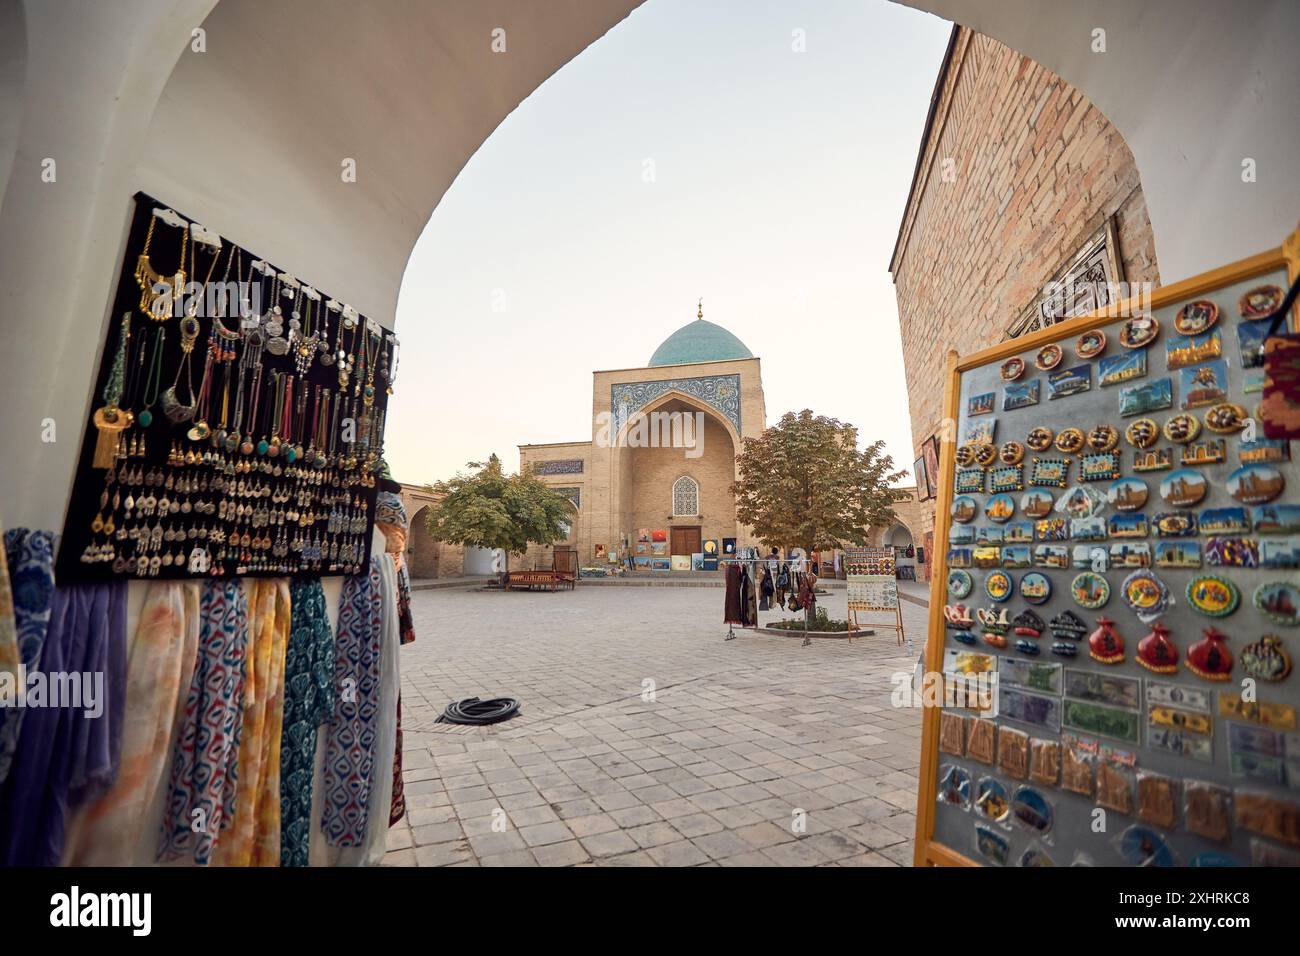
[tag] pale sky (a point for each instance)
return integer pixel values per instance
(779, 179)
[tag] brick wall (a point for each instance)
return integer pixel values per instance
(1018, 171)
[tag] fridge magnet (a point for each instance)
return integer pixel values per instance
(1142, 846)
(1118, 369)
(1070, 381)
(963, 509)
(1267, 815)
(1105, 646)
(1250, 343)
(1127, 525)
(1252, 381)
(1153, 459)
(980, 737)
(1193, 349)
(981, 432)
(1000, 508)
(1103, 438)
(999, 586)
(1207, 451)
(1018, 532)
(1035, 588)
(1146, 595)
(1035, 856)
(1196, 317)
(1036, 503)
(963, 637)
(1012, 369)
(1225, 418)
(1077, 760)
(1279, 602)
(1222, 551)
(1178, 555)
(1070, 440)
(1020, 395)
(1011, 453)
(1266, 659)
(1032, 809)
(1127, 494)
(1260, 302)
(987, 557)
(952, 733)
(965, 456)
(970, 480)
(986, 454)
(959, 558)
(1028, 624)
(1090, 590)
(1182, 428)
(981, 404)
(1006, 478)
(954, 786)
(1276, 519)
(1255, 484)
(1088, 529)
(959, 583)
(1224, 521)
(1279, 552)
(1142, 433)
(1156, 652)
(1203, 384)
(1052, 556)
(1174, 524)
(1050, 472)
(1138, 332)
(961, 534)
(1156, 802)
(1103, 466)
(1051, 529)
(1263, 451)
(1068, 625)
(1039, 438)
(994, 625)
(957, 616)
(1213, 596)
(1081, 501)
(1206, 810)
(1013, 753)
(1044, 761)
(1130, 554)
(1084, 556)
(1183, 488)
(1048, 357)
(1142, 398)
(992, 846)
(1090, 344)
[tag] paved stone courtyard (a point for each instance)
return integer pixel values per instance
(645, 739)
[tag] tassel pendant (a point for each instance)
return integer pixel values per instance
(110, 422)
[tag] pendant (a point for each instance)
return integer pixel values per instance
(199, 431)
(174, 410)
(110, 421)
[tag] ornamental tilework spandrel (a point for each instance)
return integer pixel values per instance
(719, 392)
(559, 466)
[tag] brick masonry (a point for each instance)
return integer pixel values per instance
(1017, 172)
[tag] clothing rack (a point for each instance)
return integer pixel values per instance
(795, 565)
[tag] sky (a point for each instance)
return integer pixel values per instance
(690, 152)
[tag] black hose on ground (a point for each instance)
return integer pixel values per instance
(476, 712)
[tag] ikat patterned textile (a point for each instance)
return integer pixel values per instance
(308, 703)
(30, 565)
(8, 629)
(350, 744)
(204, 777)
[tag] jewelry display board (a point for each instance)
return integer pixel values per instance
(237, 419)
(1117, 596)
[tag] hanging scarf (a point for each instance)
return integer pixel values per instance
(31, 577)
(254, 836)
(308, 703)
(201, 794)
(161, 663)
(68, 749)
(391, 520)
(397, 808)
(9, 657)
(350, 740)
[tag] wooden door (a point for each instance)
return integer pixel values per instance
(686, 541)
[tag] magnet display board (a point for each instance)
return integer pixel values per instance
(1195, 759)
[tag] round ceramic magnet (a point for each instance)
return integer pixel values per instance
(1142, 433)
(1048, 357)
(1032, 809)
(985, 454)
(1146, 595)
(1138, 332)
(1036, 503)
(959, 583)
(1183, 488)
(1012, 369)
(1260, 301)
(1035, 588)
(1255, 484)
(1011, 453)
(1143, 846)
(1157, 653)
(1182, 428)
(964, 509)
(1209, 658)
(1213, 596)
(1039, 439)
(1070, 440)
(1090, 344)
(1000, 508)
(1225, 418)
(966, 456)
(1127, 494)
(1105, 646)
(1280, 602)
(999, 586)
(991, 800)
(954, 786)
(1090, 590)
(1266, 659)
(1103, 438)
(1196, 317)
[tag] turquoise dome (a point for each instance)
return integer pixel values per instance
(699, 341)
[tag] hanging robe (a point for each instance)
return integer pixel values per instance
(31, 578)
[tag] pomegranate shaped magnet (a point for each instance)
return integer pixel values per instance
(1209, 658)
(1105, 646)
(1157, 653)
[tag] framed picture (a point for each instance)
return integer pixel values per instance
(930, 451)
(922, 484)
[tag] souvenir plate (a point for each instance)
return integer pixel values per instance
(1090, 344)
(1183, 488)
(1048, 357)
(1039, 438)
(1070, 440)
(1000, 508)
(1035, 588)
(1143, 397)
(1127, 494)
(1225, 418)
(1213, 596)
(1260, 301)
(959, 583)
(999, 586)
(1138, 332)
(1121, 368)
(1012, 369)
(1196, 317)
(1142, 433)
(1255, 484)
(1146, 595)
(1090, 590)
(964, 509)
(1279, 602)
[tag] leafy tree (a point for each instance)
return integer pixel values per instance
(804, 483)
(488, 508)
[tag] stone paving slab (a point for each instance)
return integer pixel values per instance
(645, 739)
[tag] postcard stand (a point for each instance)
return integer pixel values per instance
(1192, 754)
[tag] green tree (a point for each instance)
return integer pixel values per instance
(805, 483)
(487, 508)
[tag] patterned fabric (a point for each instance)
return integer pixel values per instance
(308, 703)
(31, 578)
(350, 744)
(204, 777)
(390, 510)
(391, 521)
(67, 748)
(397, 807)
(254, 835)
(8, 629)
(161, 664)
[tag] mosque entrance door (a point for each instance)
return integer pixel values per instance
(687, 540)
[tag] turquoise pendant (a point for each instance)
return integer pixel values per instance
(263, 447)
(145, 418)
(290, 455)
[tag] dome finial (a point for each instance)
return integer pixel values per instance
(700, 312)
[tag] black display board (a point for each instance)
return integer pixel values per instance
(204, 507)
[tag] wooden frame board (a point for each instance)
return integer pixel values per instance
(1285, 260)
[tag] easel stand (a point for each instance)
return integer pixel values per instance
(856, 624)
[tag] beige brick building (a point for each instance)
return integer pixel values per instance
(1020, 182)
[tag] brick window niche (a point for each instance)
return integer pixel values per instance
(686, 497)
